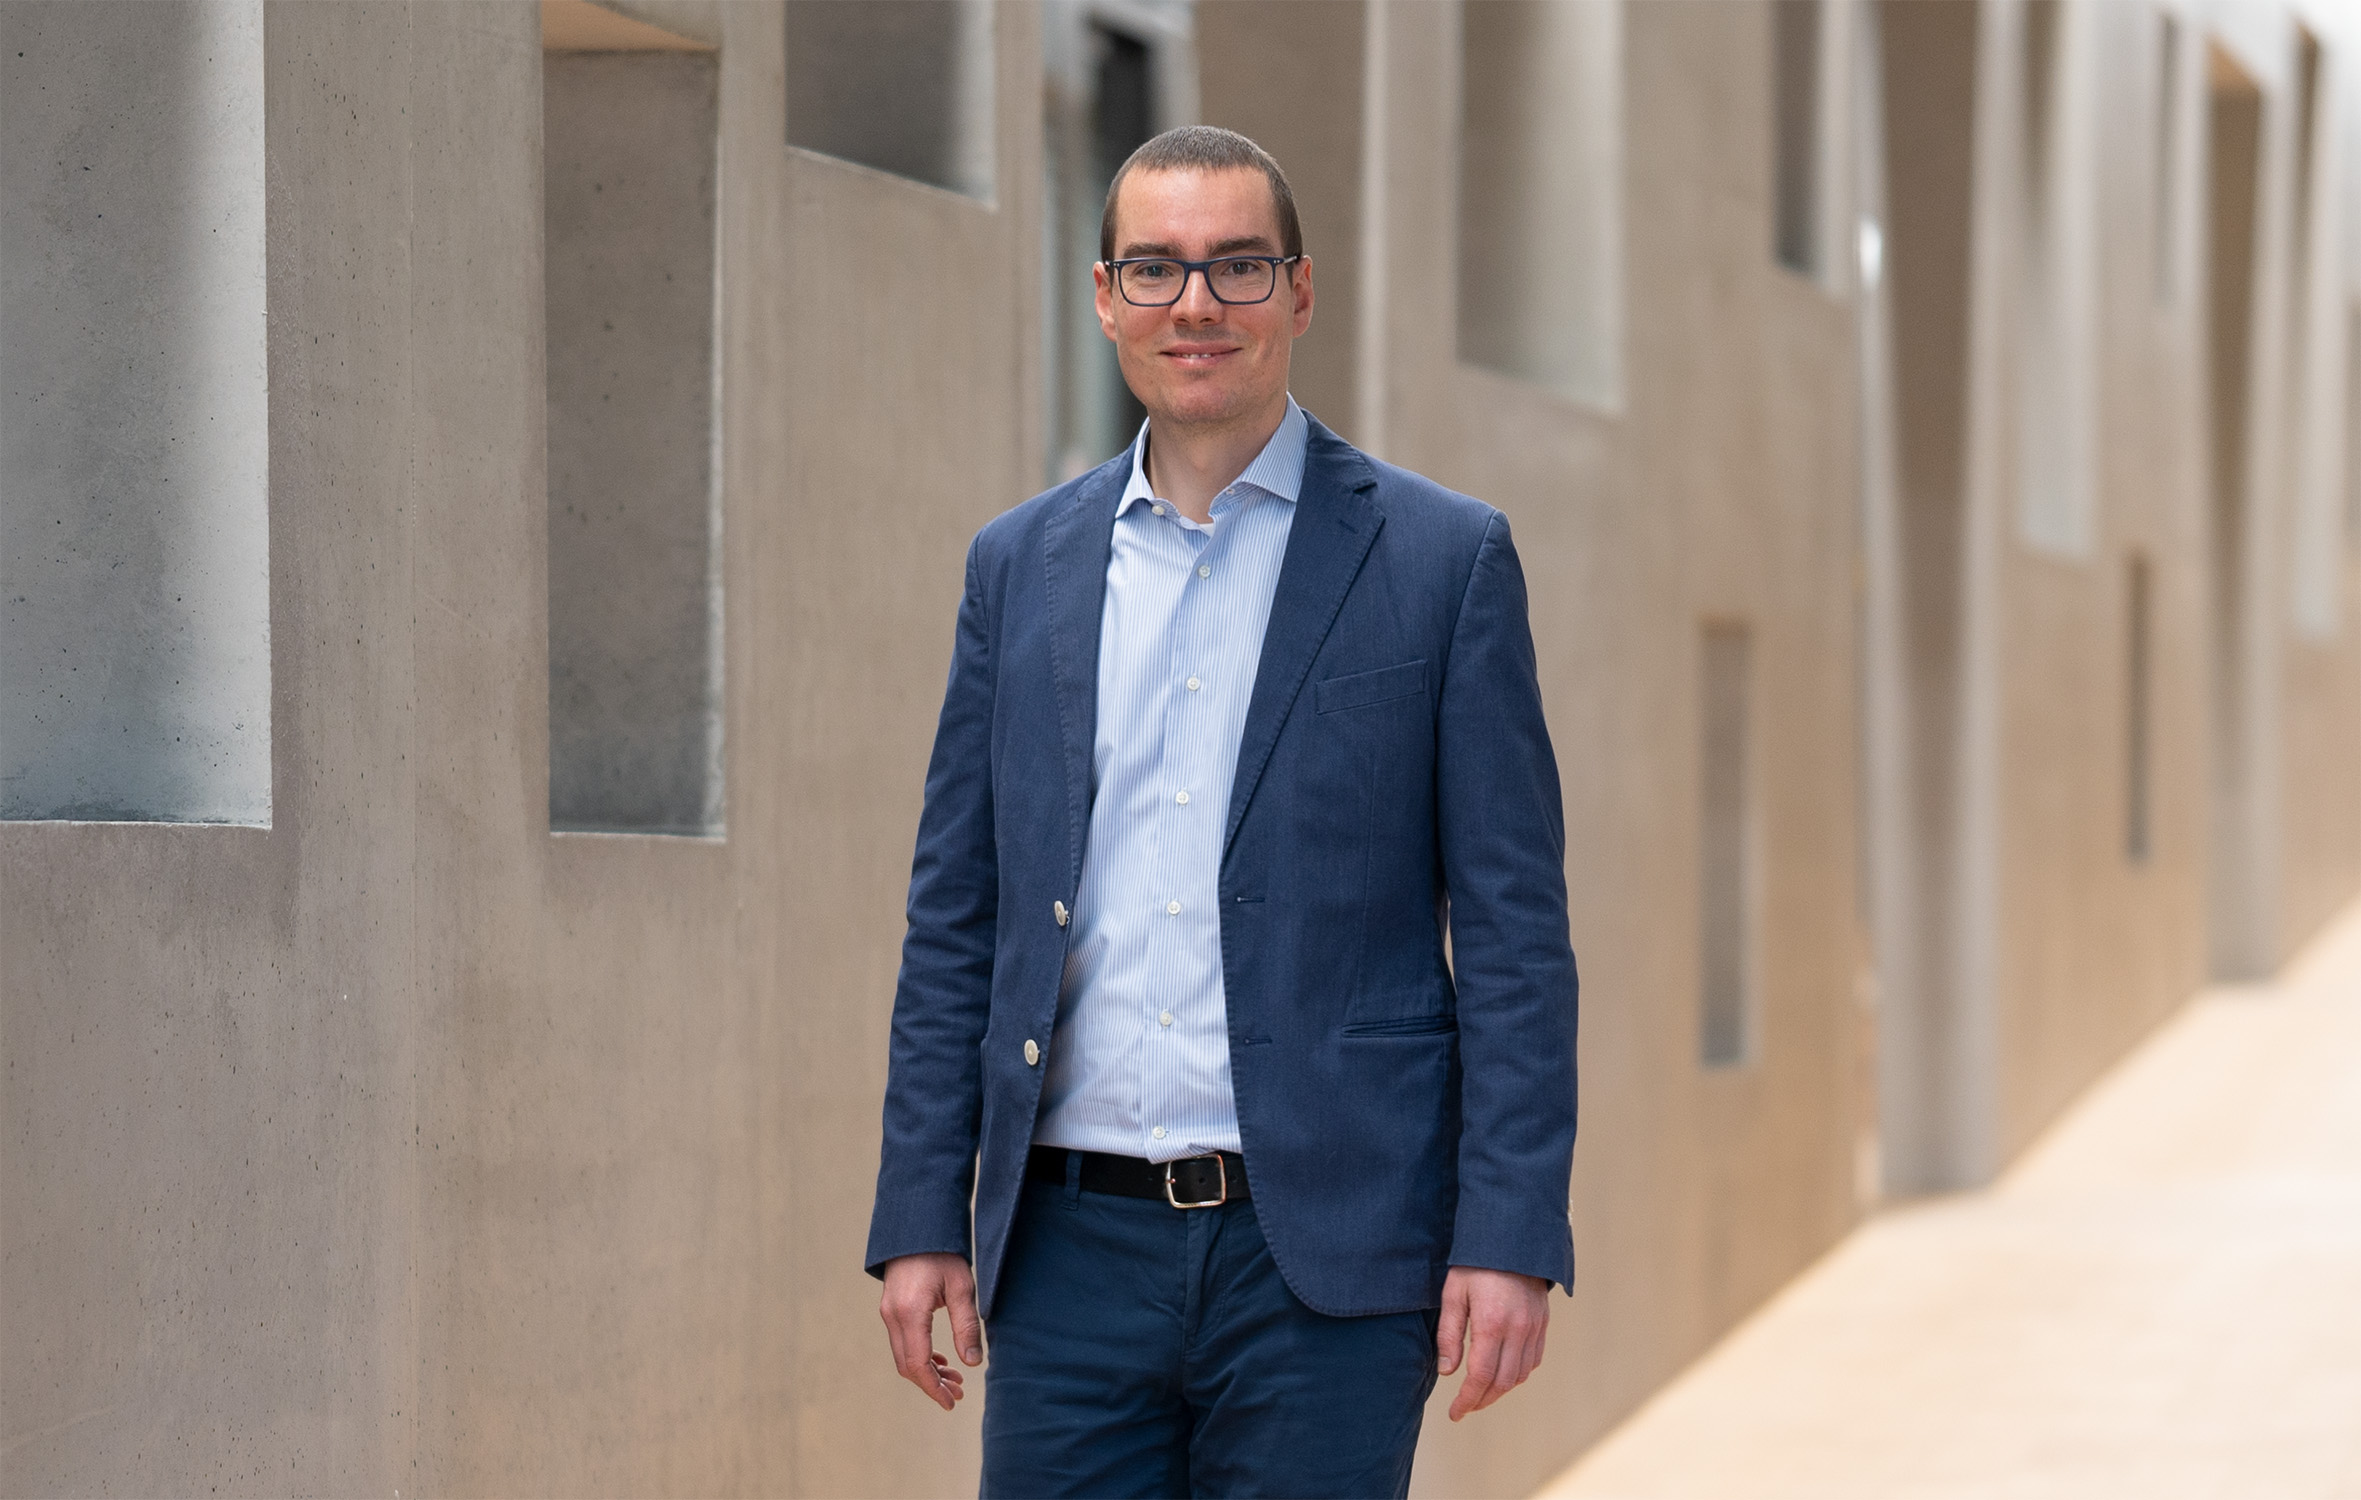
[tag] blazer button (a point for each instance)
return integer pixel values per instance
(1058, 910)
(1032, 1052)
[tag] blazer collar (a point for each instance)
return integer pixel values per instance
(1079, 536)
(1336, 521)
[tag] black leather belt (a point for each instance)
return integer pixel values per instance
(1191, 1182)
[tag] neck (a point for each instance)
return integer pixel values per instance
(1191, 463)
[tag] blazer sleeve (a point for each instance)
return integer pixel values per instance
(934, 1078)
(1503, 836)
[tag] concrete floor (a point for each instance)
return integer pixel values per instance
(2163, 1299)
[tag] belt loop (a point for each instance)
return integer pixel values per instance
(1073, 1179)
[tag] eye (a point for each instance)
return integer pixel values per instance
(1151, 272)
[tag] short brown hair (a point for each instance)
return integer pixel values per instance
(1205, 148)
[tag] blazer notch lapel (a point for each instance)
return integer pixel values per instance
(1336, 523)
(1077, 539)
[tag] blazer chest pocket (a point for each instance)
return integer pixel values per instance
(1433, 1025)
(1363, 689)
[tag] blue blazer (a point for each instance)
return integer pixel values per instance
(1402, 1110)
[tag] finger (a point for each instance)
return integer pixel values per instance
(1451, 1328)
(914, 1339)
(948, 1375)
(895, 1336)
(967, 1329)
(1483, 1366)
(929, 1376)
(914, 1350)
(1516, 1363)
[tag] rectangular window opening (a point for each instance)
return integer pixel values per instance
(1725, 847)
(2352, 434)
(2139, 711)
(904, 86)
(635, 619)
(2057, 306)
(1795, 90)
(1106, 89)
(135, 664)
(2166, 179)
(2307, 130)
(1541, 194)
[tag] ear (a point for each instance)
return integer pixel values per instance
(1103, 297)
(1301, 283)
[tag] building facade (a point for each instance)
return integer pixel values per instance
(483, 490)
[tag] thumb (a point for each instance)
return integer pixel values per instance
(967, 1329)
(1451, 1327)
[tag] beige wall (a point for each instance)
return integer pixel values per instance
(401, 1145)
(2091, 946)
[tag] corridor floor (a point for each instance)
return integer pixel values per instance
(2163, 1299)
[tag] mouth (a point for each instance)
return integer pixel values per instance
(1198, 358)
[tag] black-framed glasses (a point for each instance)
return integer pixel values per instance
(1159, 280)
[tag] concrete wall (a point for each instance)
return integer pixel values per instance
(402, 1145)
(2089, 944)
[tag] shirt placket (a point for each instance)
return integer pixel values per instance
(1183, 788)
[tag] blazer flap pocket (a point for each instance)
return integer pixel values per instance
(1364, 688)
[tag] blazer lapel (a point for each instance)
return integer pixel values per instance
(1335, 523)
(1077, 539)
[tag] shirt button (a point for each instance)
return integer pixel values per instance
(1194, 684)
(1158, 509)
(1058, 910)
(1182, 798)
(1158, 1132)
(1204, 570)
(1032, 1052)
(1172, 908)
(1164, 1019)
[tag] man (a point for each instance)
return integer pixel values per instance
(1239, 725)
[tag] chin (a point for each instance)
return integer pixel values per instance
(1191, 403)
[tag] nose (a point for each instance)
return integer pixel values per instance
(1197, 302)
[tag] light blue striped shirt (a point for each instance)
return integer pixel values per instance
(1139, 1064)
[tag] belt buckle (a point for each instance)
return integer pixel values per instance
(1220, 1166)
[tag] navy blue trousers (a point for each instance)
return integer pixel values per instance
(1138, 1350)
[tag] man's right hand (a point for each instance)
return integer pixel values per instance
(915, 1285)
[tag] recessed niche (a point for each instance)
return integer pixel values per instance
(1725, 845)
(1541, 194)
(2057, 303)
(635, 640)
(2139, 712)
(135, 678)
(904, 86)
(1795, 134)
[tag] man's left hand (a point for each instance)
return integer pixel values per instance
(1500, 1320)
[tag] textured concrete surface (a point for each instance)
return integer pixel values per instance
(403, 1146)
(2160, 1300)
(135, 664)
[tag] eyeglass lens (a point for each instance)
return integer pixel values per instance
(1158, 283)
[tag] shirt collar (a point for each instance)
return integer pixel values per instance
(1276, 471)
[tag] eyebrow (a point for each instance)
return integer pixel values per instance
(1243, 244)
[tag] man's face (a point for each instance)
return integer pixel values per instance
(1202, 360)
